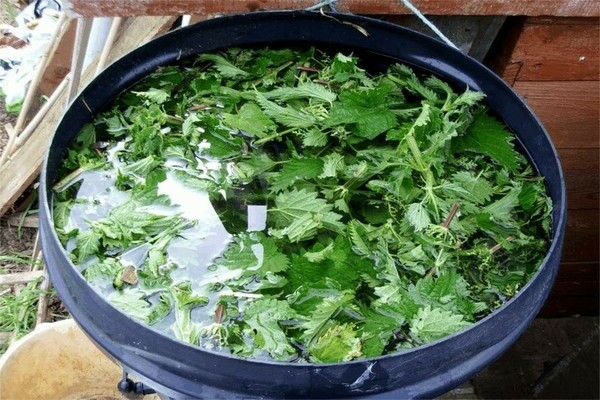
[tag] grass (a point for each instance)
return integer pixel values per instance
(18, 308)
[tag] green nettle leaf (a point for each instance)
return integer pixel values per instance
(478, 189)
(432, 324)
(305, 210)
(162, 309)
(226, 68)
(295, 170)
(251, 119)
(371, 119)
(263, 316)
(338, 344)
(107, 270)
(491, 137)
(133, 302)
(502, 208)
(303, 90)
(184, 328)
(469, 98)
(142, 167)
(332, 164)
(302, 228)
(88, 243)
(61, 212)
(254, 253)
(314, 138)
(358, 235)
(357, 174)
(186, 298)
(327, 309)
(418, 216)
(154, 95)
(320, 255)
(188, 127)
(287, 116)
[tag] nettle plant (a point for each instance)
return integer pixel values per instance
(288, 204)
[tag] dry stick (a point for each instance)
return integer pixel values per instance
(84, 27)
(19, 278)
(42, 311)
(33, 86)
(12, 137)
(307, 69)
(33, 124)
(110, 39)
(451, 215)
(499, 245)
(35, 254)
(446, 224)
(22, 219)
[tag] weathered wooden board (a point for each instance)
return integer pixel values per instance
(60, 62)
(473, 35)
(568, 110)
(577, 278)
(20, 277)
(128, 8)
(582, 235)
(23, 167)
(581, 168)
(575, 291)
(568, 50)
(569, 305)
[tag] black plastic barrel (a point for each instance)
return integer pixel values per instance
(180, 370)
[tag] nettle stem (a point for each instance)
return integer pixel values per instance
(451, 215)
(499, 245)
(275, 135)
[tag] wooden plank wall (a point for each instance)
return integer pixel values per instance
(554, 66)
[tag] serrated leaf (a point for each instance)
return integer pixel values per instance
(478, 189)
(302, 228)
(339, 343)
(154, 95)
(162, 309)
(287, 116)
(332, 164)
(418, 216)
(251, 119)
(295, 170)
(469, 98)
(320, 255)
(491, 137)
(370, 121)
(501, 209)
(263, 316)
(226, 68)
(188, 128)
(87, 244)
(358, 236)
(255, 254)
(184, 328)
(143, 166)
(295, 204)
(325, 310)
(186, 298)
(314, 138)
(133, 302)
(432, 324)
(303, 90)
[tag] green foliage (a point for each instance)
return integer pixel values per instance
(398, 211)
